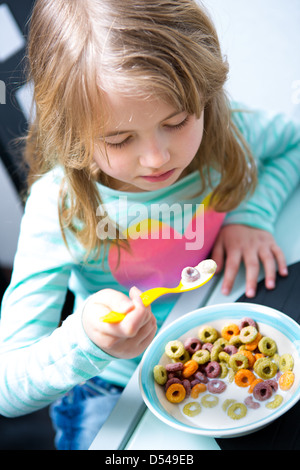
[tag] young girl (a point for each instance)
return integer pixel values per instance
(133, 150)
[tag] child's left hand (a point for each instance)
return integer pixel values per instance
(237, 243)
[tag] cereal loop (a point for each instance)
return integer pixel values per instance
(249, 355)
(286, 362)
(278, 399)
(214, 354)
(230, 349)
(213, 369)
(224, 356)
(253, 345)
(183, 358)
(202, 356)
(197, 389)
(273, 384)
(248, 334)
(237, 411)
(160, 374)
(221, 342)
(174, 349)
(172, 380)
(251, 403)
(192, 345)
(207, 334)
(262, 391)
(189, 368)
(187, 385)
(227, 403)
(238, 361)
(175, 393)
(192, 409)
(252, 385)
(224, 370)
(258, 356)
(236, 341)
(230, 330)
(267, 346)
(286, 380)
(174, 367)
(216, 386)
(246, 321)
(201, 377)
(265, 368)
(244, 378)
(209, 401)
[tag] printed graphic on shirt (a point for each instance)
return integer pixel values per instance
(158, 251)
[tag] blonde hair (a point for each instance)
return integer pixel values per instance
(78, 48)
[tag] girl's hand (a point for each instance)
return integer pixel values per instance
(126, 339)
(237, 243)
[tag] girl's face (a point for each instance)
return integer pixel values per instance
(149, 143)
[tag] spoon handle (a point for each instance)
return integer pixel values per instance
(152, 294)
(147, 298)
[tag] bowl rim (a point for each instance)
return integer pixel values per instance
(291, 330)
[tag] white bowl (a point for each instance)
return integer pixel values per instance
(214, 422)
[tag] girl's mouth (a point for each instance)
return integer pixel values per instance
(159, 177)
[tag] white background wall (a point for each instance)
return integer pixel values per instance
(261, 39)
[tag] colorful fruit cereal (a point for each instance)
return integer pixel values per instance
(174, 349)
(237, 411)
(192, 345)
(267, 346)
(189, 368)
(286, 362)
(192, 408)
(278, 399)
(244, 378)
(160, 374)
(176, 393)
(238, 361)
(250, 403)
(216, 386)
(230, 330)
(265, 368)
(286, 380)
(238, 355)
(253, 345)
(209, 401)
(262, 391)
(197, 389)
(207, 334)
(227, 403)
(202, 356)
(248, 334)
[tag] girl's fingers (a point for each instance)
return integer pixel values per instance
(218, 255)
(252, 271)
(281, 261)
(231, 269)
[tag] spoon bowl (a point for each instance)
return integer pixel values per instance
(191, 278)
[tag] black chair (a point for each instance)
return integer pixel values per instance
(13, 123)
(34, 431)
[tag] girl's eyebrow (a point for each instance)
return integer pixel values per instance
(113, 134)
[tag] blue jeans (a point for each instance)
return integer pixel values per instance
(78, 415)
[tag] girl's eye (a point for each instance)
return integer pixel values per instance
(178, 126)
(118, 145)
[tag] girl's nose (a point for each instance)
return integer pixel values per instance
(154, 154)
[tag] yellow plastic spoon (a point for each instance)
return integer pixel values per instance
(206, 269)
